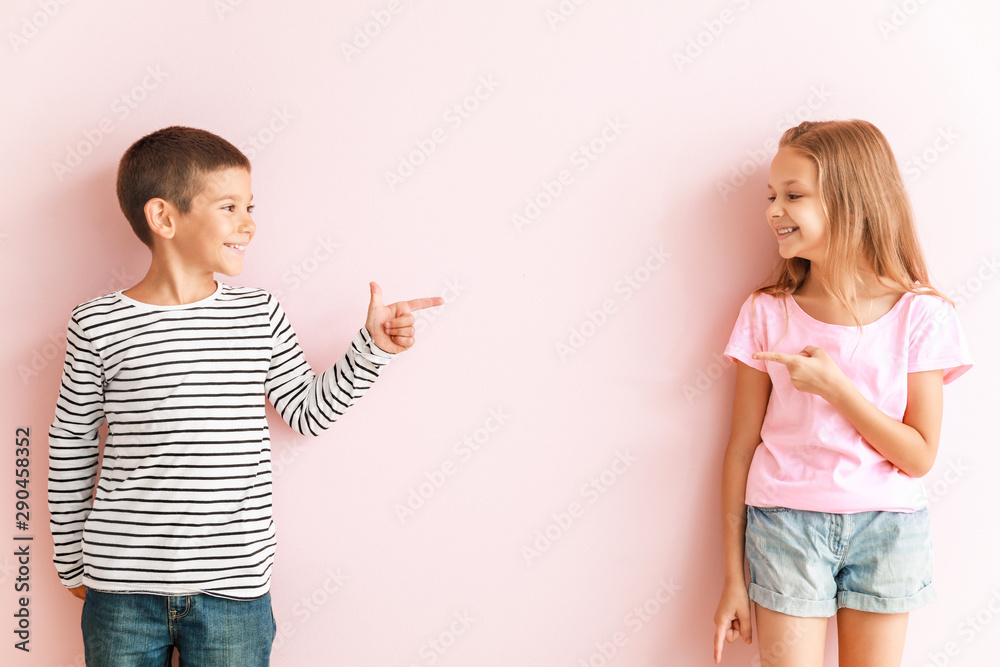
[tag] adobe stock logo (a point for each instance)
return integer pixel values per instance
(121, 107)
(586, 154)
(706, 377)
(310, 604)
(562, 12)
(303, 269)
(627, 287)
(636, 619)
(899, 16)
(592, 490)
(365, 34)
(705, 38)
(258, 141)
(454, 117)
(970, 628)
(760, 156)
(452, 290)
(914, 167)
(435, 647)
(30, 25)
(433, 481)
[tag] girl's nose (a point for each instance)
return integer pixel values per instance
(775, 209)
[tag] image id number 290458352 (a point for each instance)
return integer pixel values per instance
(22, 539)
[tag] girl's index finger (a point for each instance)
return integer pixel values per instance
(780, 357)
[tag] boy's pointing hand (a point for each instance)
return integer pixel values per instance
(391, 327)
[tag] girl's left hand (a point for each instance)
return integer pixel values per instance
(811, 370)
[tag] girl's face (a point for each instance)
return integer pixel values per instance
(796, 212)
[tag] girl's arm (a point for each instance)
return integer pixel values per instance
(753, 389)
(911, 445)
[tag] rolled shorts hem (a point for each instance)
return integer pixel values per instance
(873, 603)
(845, 599)
(785, 604)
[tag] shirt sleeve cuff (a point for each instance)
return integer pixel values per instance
(364, 342)
(734, 352)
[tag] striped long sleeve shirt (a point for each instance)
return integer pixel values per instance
(183, 502)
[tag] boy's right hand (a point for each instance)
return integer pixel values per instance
(391, 327)
(79, 591)
(732, 618)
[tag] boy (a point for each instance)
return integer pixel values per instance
(177, 545)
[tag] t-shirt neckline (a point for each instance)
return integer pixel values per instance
(152, 306)
(826, 326)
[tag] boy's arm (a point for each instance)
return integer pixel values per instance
(73, 452)
(307, 402)
(310, 403)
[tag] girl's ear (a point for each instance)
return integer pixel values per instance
(160, 218)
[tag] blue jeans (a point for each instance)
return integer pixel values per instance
(140, 630)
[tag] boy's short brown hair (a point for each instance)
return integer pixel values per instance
(170, 164)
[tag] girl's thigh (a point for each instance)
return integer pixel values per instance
(789, 641)
(869, 639)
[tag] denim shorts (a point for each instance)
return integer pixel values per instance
(140, 629)
(811, 564)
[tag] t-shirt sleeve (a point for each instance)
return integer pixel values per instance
(937, 340)
(747, 336)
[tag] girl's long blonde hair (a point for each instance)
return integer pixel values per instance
(868, 214)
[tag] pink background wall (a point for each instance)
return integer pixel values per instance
(580, 348)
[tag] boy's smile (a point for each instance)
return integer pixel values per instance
(796, 212)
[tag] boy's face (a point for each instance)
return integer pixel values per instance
(214, 233)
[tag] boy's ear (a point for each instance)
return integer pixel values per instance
(159, 217)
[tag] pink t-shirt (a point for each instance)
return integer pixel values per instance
(810, 456)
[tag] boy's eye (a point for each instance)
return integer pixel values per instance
(251, 207)
(229, 207)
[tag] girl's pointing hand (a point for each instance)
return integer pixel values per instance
(811, 370)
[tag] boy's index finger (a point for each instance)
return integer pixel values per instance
(429, 302)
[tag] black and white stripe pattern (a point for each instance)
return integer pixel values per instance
(183, 503)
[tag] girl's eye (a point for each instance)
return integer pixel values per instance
(229, 207)
(251, 207)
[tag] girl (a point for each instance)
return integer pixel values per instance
(840, 367)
